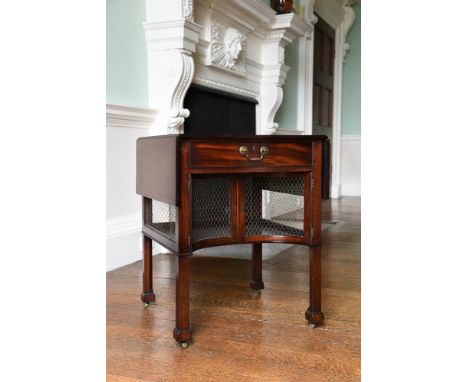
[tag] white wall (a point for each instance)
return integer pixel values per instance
(121, 170)
(124, 126)
(351, 165)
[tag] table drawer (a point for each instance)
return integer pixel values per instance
(250, 154)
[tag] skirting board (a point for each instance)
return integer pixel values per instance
(123, 244)
(123, 250)
(124, 241)
(351, 187)
(335, 192)
(123, 225)
(350, 165)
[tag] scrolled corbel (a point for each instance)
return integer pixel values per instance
(176, 120)
(310, 16)
(182, 76)
(272, 96)
(348, 21)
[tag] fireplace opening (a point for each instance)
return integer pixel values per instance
(215, 112)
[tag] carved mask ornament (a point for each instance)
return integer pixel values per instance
(227, 45)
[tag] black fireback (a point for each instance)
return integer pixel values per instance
(216, 112)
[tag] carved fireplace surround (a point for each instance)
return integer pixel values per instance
(235, 46)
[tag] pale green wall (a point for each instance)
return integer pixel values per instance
(126, 65)
(351, 112)
(287, 113)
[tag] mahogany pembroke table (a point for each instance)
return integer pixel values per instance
(204, 191)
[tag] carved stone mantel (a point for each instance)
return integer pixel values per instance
(170, 46)
(236, 46)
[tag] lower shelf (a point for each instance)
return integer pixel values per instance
(262, 227)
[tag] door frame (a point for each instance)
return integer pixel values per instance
(339, 15)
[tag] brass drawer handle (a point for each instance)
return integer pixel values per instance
(245, 151)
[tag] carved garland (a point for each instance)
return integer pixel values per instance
(281, 55)
(187, 9)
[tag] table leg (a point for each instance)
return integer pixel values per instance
(256, 282)
(182, 331)
(148, 294)
(314, 313)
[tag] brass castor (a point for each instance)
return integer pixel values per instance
(259, 291)
(312, 326)
(184, 345)
(146, 304)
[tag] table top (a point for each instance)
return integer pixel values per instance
(220, 137)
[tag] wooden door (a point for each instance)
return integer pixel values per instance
(324, 61)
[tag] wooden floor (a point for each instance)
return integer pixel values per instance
(239, 335)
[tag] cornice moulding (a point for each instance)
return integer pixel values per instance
(253, 12)
(125, 116)
(254, 64)
(300, 27)
(178, 34)
(292, 22)
(257, 7)
(225, 87)
(331, 11)
(286, 28)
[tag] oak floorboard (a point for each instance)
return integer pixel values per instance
(120, 378)
(239, 335)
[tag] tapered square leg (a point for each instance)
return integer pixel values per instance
(182, 331)
(147, 295)
(314, 312)
(257, 282)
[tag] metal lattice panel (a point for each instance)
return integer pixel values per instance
(275, 206)
(211, 213)
(164, 218)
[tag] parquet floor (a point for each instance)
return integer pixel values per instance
(239, 335)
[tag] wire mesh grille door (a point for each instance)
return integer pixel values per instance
(211, 208)
(274, 206)
(164, 218)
